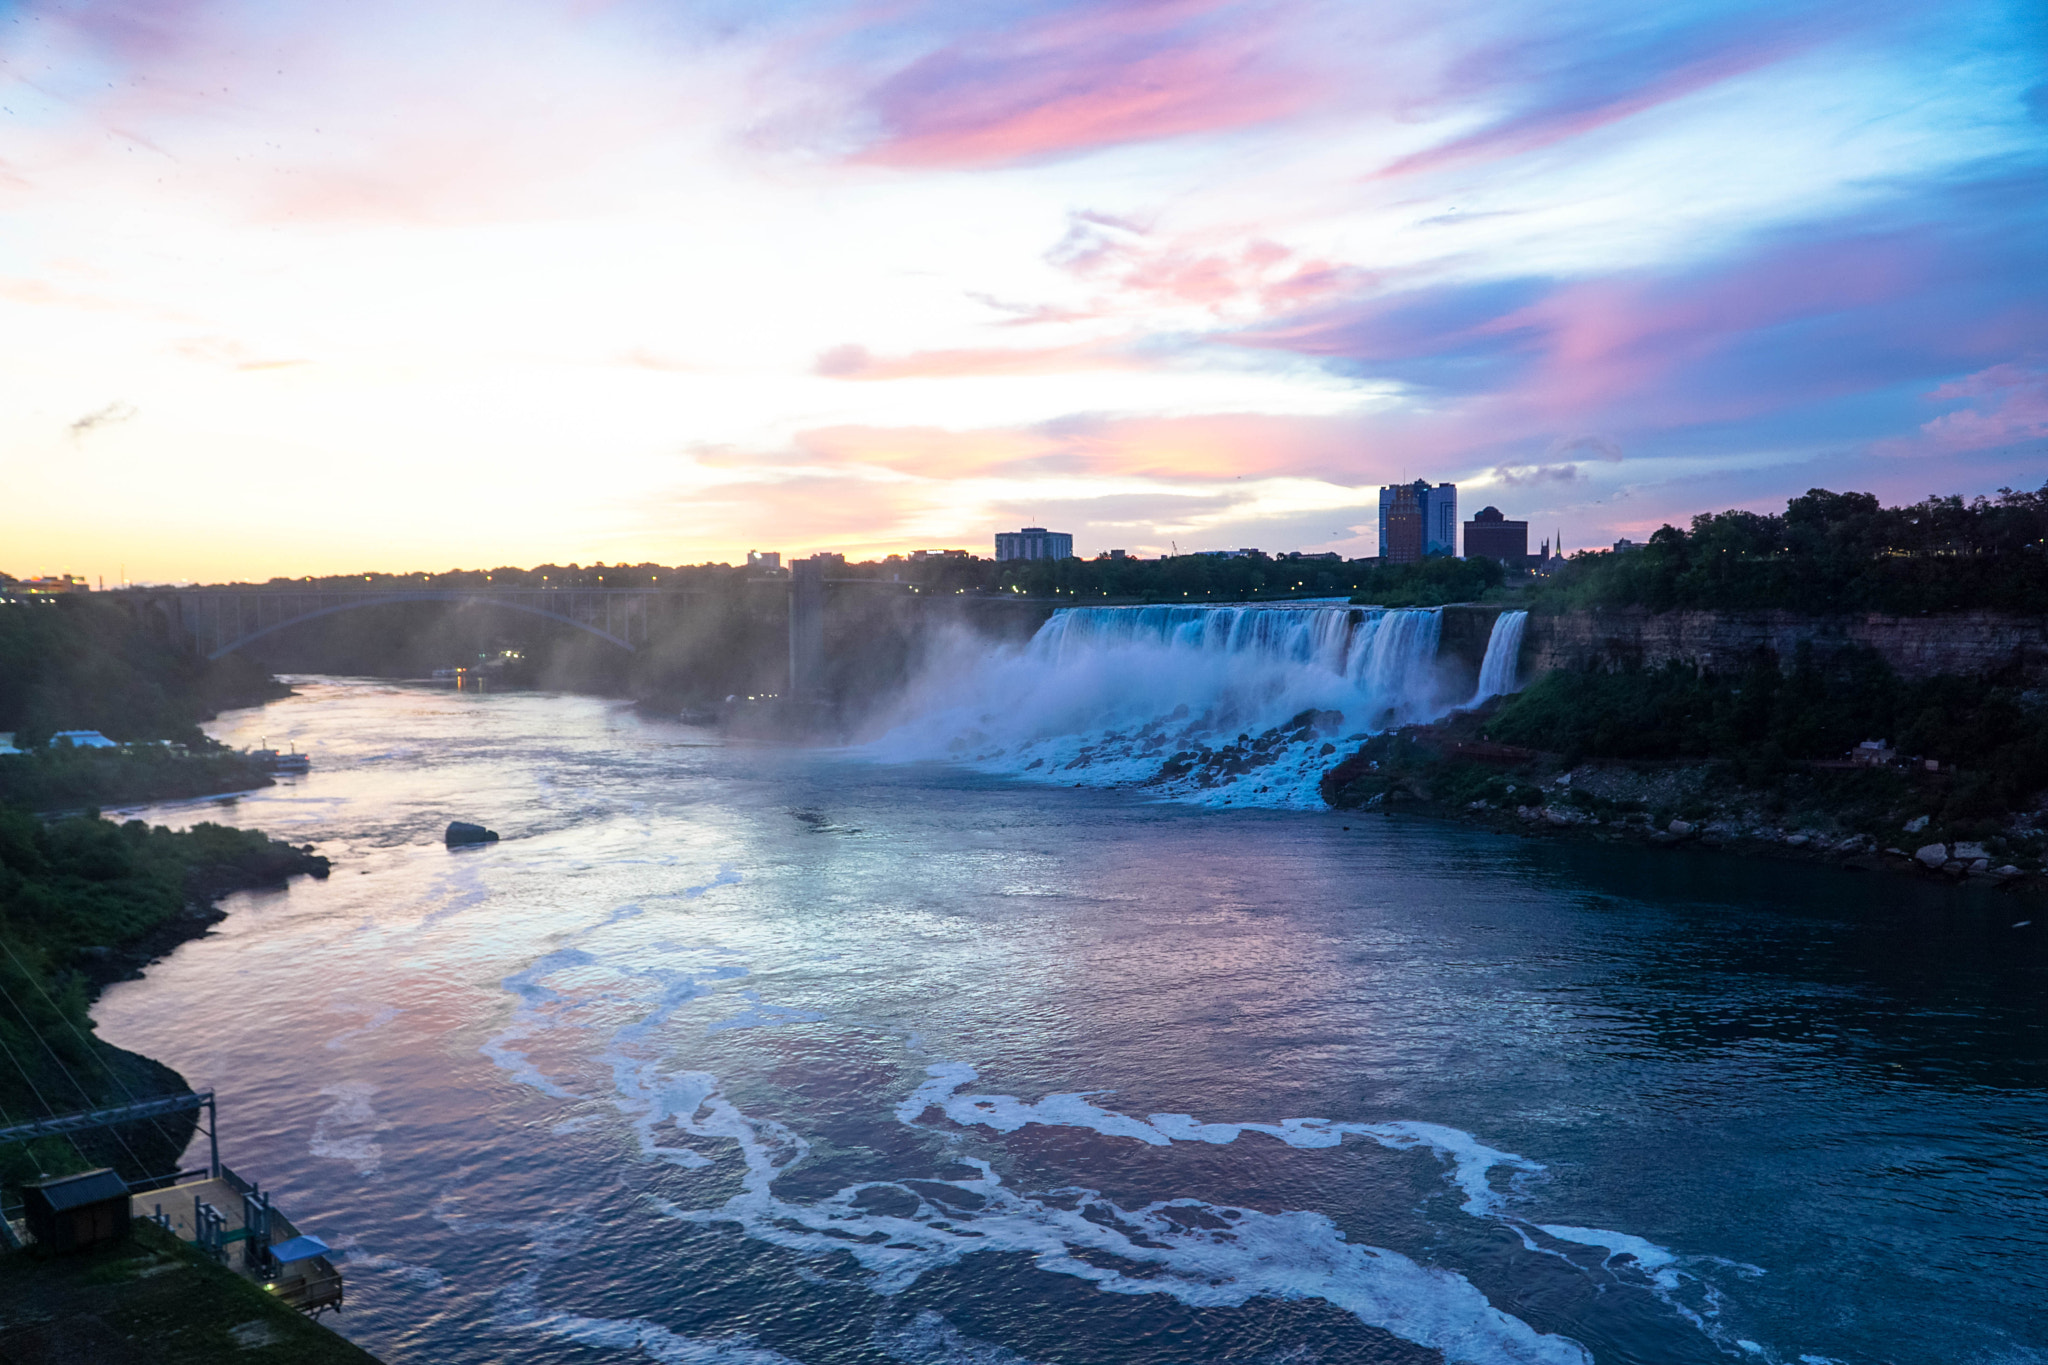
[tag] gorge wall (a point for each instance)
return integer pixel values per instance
(1968, 644)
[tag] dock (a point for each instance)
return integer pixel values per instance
(226, 1218)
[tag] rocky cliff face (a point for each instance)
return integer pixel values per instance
(1968, 644)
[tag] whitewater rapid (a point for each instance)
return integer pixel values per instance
(742, 1054)
(1244, 705)
(901, 1228)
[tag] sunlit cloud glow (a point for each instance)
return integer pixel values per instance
(290, 288)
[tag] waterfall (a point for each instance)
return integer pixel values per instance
(1227, 704)
(1503, 656)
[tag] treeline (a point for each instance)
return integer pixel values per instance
(1177, 577)
(88, 662)
(65, 778)
(1195, 578)
(1989, 735)
(1830, 553)
(679, 577)
(84, 901)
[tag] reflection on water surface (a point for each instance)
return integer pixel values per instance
(746, 1055)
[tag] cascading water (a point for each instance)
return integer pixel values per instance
(1498, 671)
(1224, 705)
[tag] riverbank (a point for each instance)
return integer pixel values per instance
(1867, 819)
(151, 1300)
(85, 902)
(75, 779)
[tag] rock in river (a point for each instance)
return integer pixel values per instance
(461, 832)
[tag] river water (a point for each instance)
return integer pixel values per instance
(741, 1054)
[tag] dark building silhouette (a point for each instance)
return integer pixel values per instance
(1401, 542)
(1034, 542)
(1436, 506)
(1492, 536)
(77, 1212)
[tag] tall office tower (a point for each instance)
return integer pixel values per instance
(1436, 505)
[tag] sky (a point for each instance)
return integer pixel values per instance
(300, 288)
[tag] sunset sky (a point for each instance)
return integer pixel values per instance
(302, 288)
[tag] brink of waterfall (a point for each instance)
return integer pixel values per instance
(1219, 704)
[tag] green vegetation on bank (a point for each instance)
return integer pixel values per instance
(84, 901)
(1989, 736)
(89, 662)
(1432, 583)
(1756, 745)
(151, 1298)
(1762, 718)
(65, 778)
(1830, 553)
(1843, 811)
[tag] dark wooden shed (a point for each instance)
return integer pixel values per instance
(75, 1212)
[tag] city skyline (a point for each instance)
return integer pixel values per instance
(290, 291)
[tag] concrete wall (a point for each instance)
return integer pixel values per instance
(1916, 646)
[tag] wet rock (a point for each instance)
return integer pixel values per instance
(1680, 828)
(1931, 855)
(1798, 840)
(1970, 853)
(1980, 865)
(1915, 825)
(2008, 872)
(461, 833)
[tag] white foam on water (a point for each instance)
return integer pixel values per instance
(1217, 705)
(1200, 1253)
(347, 1130)
(358, 1258)
(1472, 1161)
(535, 1013)
(1651, 1257)
(1203, 1254)
(519, 1311)
(929, 1339)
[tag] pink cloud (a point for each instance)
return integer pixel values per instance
(1205, 271)
(1092, 77)
(2009, 404)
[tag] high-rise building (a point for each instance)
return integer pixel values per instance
(1401, 536)
(1490, 535)
(1436, 506)
(1034, 542)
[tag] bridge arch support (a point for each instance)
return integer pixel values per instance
(220, 621)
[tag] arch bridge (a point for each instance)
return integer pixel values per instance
(220, 621)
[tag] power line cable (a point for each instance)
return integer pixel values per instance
(48, 1108)
(105, 1065)
(141, 1167)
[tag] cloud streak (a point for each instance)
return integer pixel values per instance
(836, 270)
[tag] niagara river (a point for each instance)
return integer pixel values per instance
(975, 1043)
